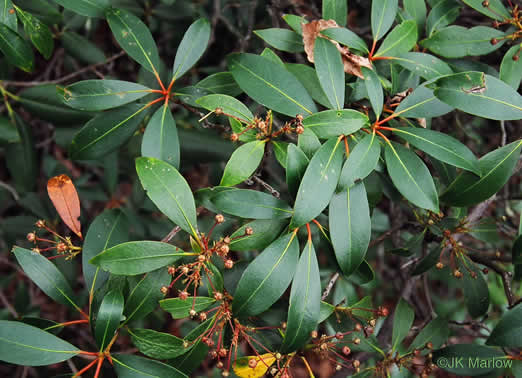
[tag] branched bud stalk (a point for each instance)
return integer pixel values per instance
(61, 244)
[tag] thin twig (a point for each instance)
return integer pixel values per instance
(171, 234)
(330, 285)
(10, 189)
(8, 305)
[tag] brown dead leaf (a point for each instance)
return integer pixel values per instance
(352, 63)
(65, 199)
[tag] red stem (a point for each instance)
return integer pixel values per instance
(91, 364)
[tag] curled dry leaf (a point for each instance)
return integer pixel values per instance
(65, 199)
(352, 63)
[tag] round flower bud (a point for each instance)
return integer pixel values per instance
(61, 247)
(218, 111)
(229, 264)
(213, 354)
(356, 363)
(202, 316)
(252, 363)
(358, 327)
(356, 341)
(219, 218)
(485, 3)
(31, 236)
(299, 129)
(202, 258)
(372, 322)
(314, 334)
(171, 270)
(493, 41)
(227, 240)
(185, 270)
(338, 367)
(223, 352)
(164, 290)
(40, 223)
(299, 117)
(234, 137)
(225, 373)
(192, 313)
(346, 351)
(218, 296)
(249, 230)
(183, 295)
(429, 345)
(219, 365)
(283, 325)
(339, 335)
(224, 249)
(439, 265)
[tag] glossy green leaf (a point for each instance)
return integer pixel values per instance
(332, 123)
(101, 94)
(137, 257)
(39, 33)
(442, 14)
(245, 203)
(382, 17)
(81, 48)
(264, 232)
(417, 11)
(158, 345)
(402, 322)
(191, 47)
(160, 139)
(318, 183)
(476, 290)
(508, 331)
(27, 155)
(280, 152)
(106, 132)
(46, 276)
(335, 10)
(427, 262)
(243, 163)
(296, 163)
(425, 65)
(350, 227)
(441, 146)
(326, 309)
(422, 103)
(191, 360)
(169, 191)
(131, 366)
(436, 332)
(495, 10)
(496, 167)
(457, 41)
(8, 131)
(17, 50)
(346, 37)
(374, 90)
(134, 37)
(510, 69)
(295, 22)
(330, 71)
(108, 318)
(308, 142)
(470, 356)
(89, 8)
(400, 40)
(220, 83)
(180, 308)
(361, 162)
(305, 298)
(214, 280)
(108, 229)
(270, 85)
(228, 104)
(282, 39)
(307, 76)
(411, 177)
(23, 344)
(267, 277)
(480, 94)
(7, 16)
(144, 296)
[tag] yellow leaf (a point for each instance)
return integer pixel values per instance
(242, 365)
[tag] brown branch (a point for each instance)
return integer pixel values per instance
(330, 285)
(505, 275)
(171, 234)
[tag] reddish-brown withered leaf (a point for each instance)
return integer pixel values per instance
(65, 199)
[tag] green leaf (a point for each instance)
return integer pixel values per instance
(318, 183)
(106, 132)
(270, 85)
(441, 146)
(436, 332)
(402, 322)
(417, 11)
(361, 162)
(191, 47)
(282, 39)
(46, 276)
(23, 344)
(457, 41)
(510, 69)
(330, 71)
(425, 65)
(101, 94)
(296, 163)
(280, 152)
(350, 227)
(191, 360)
(108, 318)
(108, 229)
(81, 48)
(427, 262)
(470, 355)
(220, 83)
(332, 123)
(495, 10)
(308, 78)
(243, 163)
(382, 16)
(264, 232)
(160, 139)
(295, 22)
(480, 94)
(335, 10)
(496, 167)
(145, 295)
(17, 50)
(89, 8)
(508, 331)
(346, 37)
(137, 257)
(441, 15)
(374, 89)
(267, 277)
(169, 191)
(305, 299)
(400, 40)
(229, 105)
(131, 366)
(422, 103)
(411, 177)
(308, 142)
(8, 131)
(180, 308)
(157, 345)
(245, 203)
(134, 37)
(7, 16)
(38, 32)
(476, 290)
(27, 155)
(326, 309)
